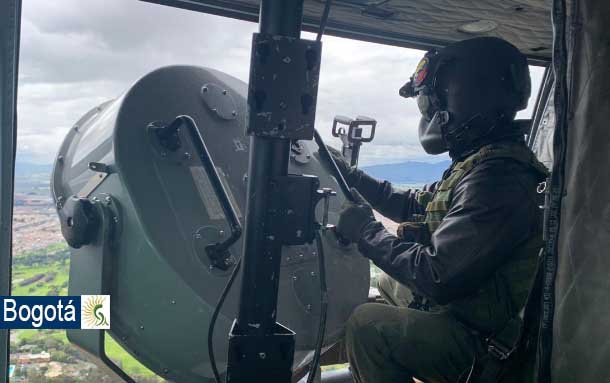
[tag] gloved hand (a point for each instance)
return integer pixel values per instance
(353, 217)
(341, 162)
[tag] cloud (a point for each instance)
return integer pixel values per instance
(76, 54)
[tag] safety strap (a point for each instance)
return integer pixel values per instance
(502, 345)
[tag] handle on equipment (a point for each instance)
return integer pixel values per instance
(219, 188)
(323, 150)
(343, 120)
(358, 123)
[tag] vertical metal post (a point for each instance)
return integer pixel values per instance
(260, 349)
(10, 20)
(268, 158)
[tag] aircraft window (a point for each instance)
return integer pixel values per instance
(543, 141)
(536, 74)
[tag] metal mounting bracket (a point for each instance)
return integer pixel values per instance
(90, 269)
(354, 136)
(276, 62)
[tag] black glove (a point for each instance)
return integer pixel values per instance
(353, 217)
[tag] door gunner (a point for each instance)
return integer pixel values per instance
(459, 270)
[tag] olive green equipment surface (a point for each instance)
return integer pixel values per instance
(163, 212)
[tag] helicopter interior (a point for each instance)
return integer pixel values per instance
(568, 133)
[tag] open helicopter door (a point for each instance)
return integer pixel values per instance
(580, 348)
(151, 189)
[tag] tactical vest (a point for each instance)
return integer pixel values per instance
(504, 295)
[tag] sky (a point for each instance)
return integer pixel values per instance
(76, 54)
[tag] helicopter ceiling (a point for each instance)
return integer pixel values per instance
(421, 24)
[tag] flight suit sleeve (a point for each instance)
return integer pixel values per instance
(492, 212)
(397, 205)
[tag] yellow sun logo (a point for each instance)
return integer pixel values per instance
(92, 312)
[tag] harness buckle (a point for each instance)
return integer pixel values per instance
(541, 187)
(498, 350)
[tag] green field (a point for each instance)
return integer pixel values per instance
(51, 266)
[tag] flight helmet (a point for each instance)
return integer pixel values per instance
(468, 94)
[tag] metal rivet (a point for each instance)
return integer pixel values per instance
(262, 355)
(173, 302)
(141, 327)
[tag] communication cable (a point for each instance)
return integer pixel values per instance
(315, 362)
(221, 301)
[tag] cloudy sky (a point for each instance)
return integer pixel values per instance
(76, 54)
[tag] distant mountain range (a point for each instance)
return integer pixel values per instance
(409, 172)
